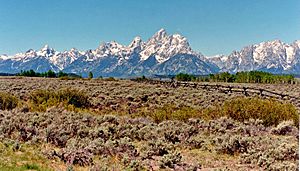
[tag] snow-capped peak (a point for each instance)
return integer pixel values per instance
(109, 48)
(163, 46)
(137, 41)
(160, 35)
(46, 51)
(4, 57)
(167, 54)
(61, 60)
(30, 53)
(136, 45)
(45, 47)
(73, 50)
(297, 43)
(274, 56)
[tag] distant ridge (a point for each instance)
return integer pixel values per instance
(162, 54)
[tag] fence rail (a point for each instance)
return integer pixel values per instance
(247, 91)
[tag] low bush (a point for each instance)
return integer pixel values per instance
(249, 77)
(231, 145)
(82, 139)
(68, 78)
(283, 128)
(270, 154)
(143, 78)
(170, 160)
(7, 101)
(270, 111)
(184, 77)
(78, 156)
(31, 167)
(40, 100)
(171, 112)
(110, 79)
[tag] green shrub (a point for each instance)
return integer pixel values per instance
(231, 145)
(143, 78)
(284, 128)
(32, 73)
(67, 78)
(184, 77)
(270, 111)
(249, 77)
(7, 101)
(31, 167)
(170, 112)
(170, 160)
(73, 97)
(91, 75)
(40, 100)
(110, 79)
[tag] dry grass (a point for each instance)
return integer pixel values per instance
(151, 127)
(69, 98)
(7, 101)
(270, 111)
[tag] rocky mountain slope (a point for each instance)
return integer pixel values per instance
(162, 54)
(272, 56)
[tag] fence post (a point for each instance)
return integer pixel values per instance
(245, 91)
(230, 89)
(261, 92)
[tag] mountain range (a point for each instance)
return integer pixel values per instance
(162, 54)
(272, 56)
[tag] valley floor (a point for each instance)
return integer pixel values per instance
(140, 126)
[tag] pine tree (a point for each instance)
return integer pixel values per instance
(91, 75)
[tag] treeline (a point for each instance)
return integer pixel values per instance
(48, 74)
(240, 77)
(7, 74)
(185, 77)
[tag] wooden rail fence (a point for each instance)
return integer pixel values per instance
(247, 91)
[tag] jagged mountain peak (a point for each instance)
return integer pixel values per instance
(30, 52)
(114, 43)
(136, 42)
(158, 37)
(178, 36)
(162, 37)
(46, 51)
(272, 56)
(4, 57)
(160, 45)
(297, 43)
(112, 48)
(163, 46)
(73, 50)
(180, 41)
(275, 41)
(269, 44)
(45, 47)
(161, 54)
(109, 45)
(162, 33)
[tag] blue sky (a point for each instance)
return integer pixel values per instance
(211, 26)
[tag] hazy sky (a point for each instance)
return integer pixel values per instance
(211, 26)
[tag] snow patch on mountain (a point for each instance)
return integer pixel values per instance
(162, 53)
(272, 56)
(5, 57)
(163, 46)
